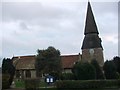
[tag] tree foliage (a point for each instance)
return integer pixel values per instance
(110, 70)
(48, 61)
(98, 69)
(8, 68)
(116, 61)
(84, 71)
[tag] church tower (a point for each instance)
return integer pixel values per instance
(91, 47)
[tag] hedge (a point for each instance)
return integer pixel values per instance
(32, 84)
(88, 84)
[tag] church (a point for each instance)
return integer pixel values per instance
(91, 49)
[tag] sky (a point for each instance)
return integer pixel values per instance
(28, 25)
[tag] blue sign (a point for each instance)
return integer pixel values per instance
(49, 79)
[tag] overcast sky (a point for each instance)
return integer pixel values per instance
(28, 25)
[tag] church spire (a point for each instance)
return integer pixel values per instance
(91, 39)
(90, 25)
(92, 47)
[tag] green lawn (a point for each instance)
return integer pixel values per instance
(43, 84)
(19, 84)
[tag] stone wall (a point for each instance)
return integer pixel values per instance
(33, 73)
(98, 55)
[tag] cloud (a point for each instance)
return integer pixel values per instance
(32, 11)
(46, 1)
(111, 39)
(23, 26)
(29, 26)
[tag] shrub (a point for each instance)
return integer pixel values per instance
(98, 69)
(87, 84)
(67, 76)
(110, 70)
(116, 61)
(5, 81)
(84, 71)
(31, 84)
(112, 83)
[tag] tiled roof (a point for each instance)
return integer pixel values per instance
(69, 60)
(28, 62)
(24, 62)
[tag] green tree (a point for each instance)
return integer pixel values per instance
(8, 69)
(48, 62)
(116, 61)
(98, 69)
(110, 70)
(84, 71)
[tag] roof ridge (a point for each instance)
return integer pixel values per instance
(25, 56)
(70, 55)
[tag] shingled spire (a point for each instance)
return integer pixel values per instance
(90, 26)
(91, 39)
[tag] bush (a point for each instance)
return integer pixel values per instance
(5, 81)
(113, 83)
(98, 69)
(87, 84)
(84, 71)
(110, 70)
(32, 84)
(67, 76)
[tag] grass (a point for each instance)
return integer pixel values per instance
(43, 84)
(19, 84)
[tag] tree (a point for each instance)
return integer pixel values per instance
(116, 61)
(110, 70)
(8, 68)
(98, 69)
(48, 61)
(84, 71)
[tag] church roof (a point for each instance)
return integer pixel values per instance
(69, 60)
(90, 25)
(28, 62)
(24, 62)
